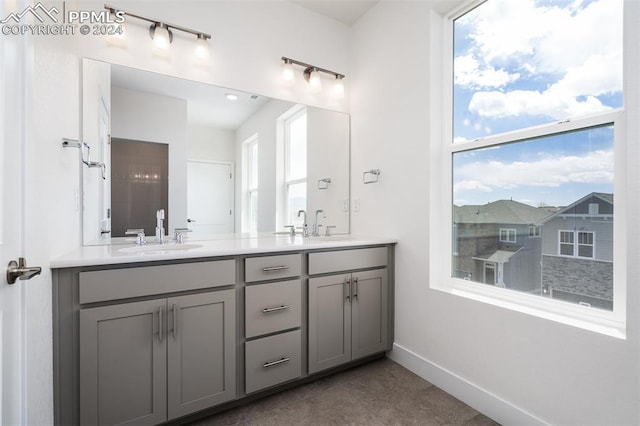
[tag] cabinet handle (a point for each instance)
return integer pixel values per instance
(174, 317)
(347, 282)
(275, 268)
(160, 321)
(355, 288)
(273, 363)
(276, 309)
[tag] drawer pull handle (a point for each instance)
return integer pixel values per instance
(275, 268)
(276, 309)
(273, 363)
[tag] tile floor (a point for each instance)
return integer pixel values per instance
(378, 393)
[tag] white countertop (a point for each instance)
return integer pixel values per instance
(121, 254)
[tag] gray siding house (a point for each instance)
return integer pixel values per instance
(577, 252)
(499, 244)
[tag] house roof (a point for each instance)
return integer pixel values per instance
(573, 207)
(501, 211)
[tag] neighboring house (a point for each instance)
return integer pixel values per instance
(499, 244)
(577, 252)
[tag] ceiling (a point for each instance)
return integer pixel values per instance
(345, 11)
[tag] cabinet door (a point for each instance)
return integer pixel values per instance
(201, 363)
(329, 321)
(370, 312)
(123, 364)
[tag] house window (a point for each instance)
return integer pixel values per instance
(295, 176)
(567, 243)
(526, 126)
(250, 184)
(507, 235)
(534, 232)
(586, 246)
(577, 244)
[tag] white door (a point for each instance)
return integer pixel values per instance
(12, 134)
(210, 197)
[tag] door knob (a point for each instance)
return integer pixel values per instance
(19, 270)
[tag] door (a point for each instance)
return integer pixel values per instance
(210, 197)
(123, 363)
(369, 312)
(201, 355)
(12, 135)
(329, 321)
(489, 273)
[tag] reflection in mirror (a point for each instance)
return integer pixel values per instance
(238, 163)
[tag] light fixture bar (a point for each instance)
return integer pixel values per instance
(313, 67)
(198, 34)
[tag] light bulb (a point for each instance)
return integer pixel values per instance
(202, 48)
(288, 76)
(338, 87)
(314, 81)
(161, 36)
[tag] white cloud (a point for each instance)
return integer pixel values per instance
(577, 49)
(468, 73)
(548, 171)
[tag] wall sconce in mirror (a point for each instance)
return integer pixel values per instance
(324, 183)
(162, 35)
(72, 143)
(311, 75)
(370, 176)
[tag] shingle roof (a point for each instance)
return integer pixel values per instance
(501, 211)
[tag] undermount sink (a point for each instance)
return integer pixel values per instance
(154, 248)
(330, 238)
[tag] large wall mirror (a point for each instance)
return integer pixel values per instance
(218, 161)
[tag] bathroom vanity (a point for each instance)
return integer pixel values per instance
(147, 336)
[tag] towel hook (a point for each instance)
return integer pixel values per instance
(373, 172)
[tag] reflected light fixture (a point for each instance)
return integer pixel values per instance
(311, 74)
(162, 32)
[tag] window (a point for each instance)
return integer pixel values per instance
(250, 185)
(567, 243)
(534, 232)
(507, 235)
(530, 131)
(295, 176)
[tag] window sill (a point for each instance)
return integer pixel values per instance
(586, 318)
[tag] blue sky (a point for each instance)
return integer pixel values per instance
(523, 63)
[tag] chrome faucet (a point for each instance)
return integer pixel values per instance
(316, 226)
(305, 228)
(160, 226)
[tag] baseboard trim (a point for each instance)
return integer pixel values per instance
(471, 394)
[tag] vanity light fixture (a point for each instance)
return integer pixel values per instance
(162, 34)
(311, 74)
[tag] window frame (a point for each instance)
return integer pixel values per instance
(442, 147)
(508, 231)
(288, 182)
(536, 231)
(248, 191)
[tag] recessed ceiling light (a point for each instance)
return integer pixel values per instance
(231, 97)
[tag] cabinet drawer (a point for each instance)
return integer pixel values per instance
(97, 286)
(272, 360)
(272, 307)
(272, 267)
(345, 260)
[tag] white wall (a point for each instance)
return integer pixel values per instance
(516, 368)
(249, 38)
(150, 117)
(210, 143)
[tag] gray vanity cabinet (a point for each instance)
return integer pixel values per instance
(122, 365)
(348, 312)
(148, 362)
(201, 351)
